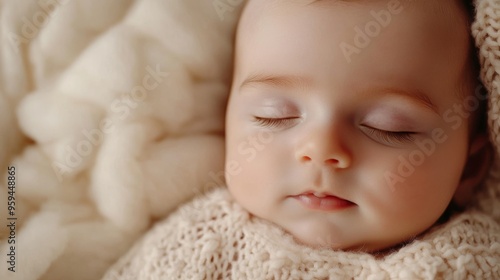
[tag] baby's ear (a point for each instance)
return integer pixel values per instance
(477, 166)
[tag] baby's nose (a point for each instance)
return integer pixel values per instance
(324, 153)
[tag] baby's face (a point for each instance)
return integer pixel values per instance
(356, 101)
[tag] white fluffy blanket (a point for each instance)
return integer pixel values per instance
(112, 113)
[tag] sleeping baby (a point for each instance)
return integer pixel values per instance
(370, 124)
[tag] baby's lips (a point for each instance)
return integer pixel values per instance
(322, 195)
(326, 203)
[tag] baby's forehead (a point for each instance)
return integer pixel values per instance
(453, 14)
(421, 35)
(442, 18)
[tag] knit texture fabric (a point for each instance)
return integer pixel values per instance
(213, 237)
(486, 32)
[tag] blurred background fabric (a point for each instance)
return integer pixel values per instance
(112, 113)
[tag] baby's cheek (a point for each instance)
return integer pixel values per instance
(243, 167)
(253, 185)
(390, 186)
(415, 193)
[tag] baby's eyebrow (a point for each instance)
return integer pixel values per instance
(283, 81)
(293, 81)
(415, 95)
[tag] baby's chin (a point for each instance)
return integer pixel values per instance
(331, 240)
(322, 244)
(317, 236)
(318, 243)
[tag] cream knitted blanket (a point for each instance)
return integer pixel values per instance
(214, 238)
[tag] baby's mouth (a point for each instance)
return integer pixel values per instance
(322, 201)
